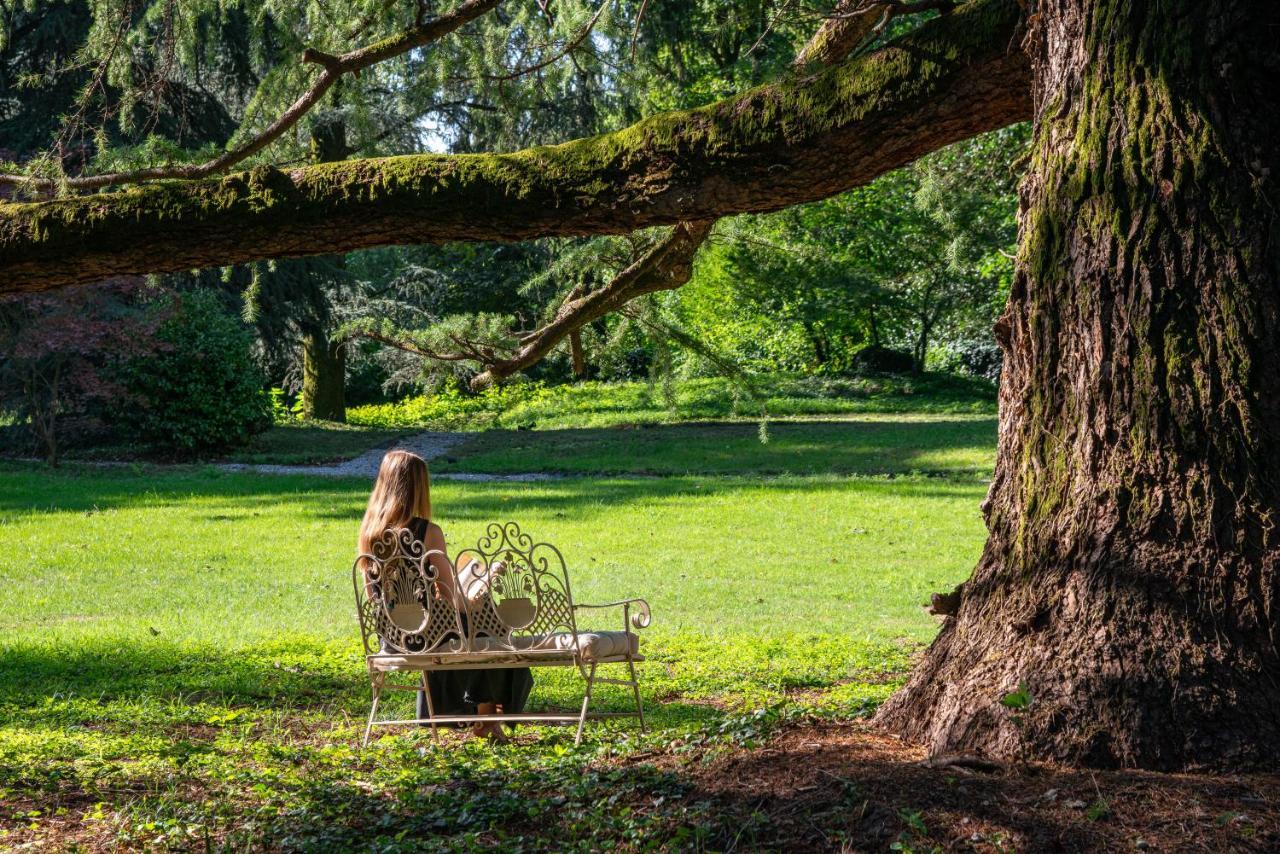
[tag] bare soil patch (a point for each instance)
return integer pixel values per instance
(844, 785)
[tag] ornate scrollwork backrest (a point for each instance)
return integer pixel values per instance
(397, 601)
(528, 587)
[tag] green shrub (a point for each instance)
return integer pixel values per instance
(452, 409)
(201, 389)
(599, 404)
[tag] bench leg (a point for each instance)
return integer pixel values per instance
(635, 689)
(586, 700)
(431, 709)
(376, 687)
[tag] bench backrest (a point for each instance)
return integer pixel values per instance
(523, 589)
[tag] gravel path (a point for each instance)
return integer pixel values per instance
(429, 446)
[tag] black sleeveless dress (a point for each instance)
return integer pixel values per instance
(458, 692)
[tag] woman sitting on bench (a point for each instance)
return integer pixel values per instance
(402, 499)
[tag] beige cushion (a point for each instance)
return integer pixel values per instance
(593, 645)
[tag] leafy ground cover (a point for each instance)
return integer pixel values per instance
(594, 404)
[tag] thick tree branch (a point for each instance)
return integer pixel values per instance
(803, 138)
(352, 62)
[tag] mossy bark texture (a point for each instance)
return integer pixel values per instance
(809, 136)
(324, 377)
(1130, 577)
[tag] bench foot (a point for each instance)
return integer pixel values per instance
(431, 709)
(379, 684)
(586, 700)
(635, 689)
(376, 688)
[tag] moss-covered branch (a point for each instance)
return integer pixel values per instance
(797, 140)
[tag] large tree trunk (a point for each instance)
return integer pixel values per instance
(1130, 575)
(811, 135)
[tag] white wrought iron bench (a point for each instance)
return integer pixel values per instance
(523, 616)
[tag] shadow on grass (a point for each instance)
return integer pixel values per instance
(33, 490)
(53, 686)
(813, 787)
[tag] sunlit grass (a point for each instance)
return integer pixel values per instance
(234, 558)
(598, 404)
(179, 665)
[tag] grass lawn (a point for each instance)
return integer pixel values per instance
(179, 667)
(236, 558)
(952, 445)
(314, 442)
(179, 660)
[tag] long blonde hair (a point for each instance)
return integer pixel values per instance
(402, 491)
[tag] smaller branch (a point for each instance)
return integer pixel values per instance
(855, 22)
(568, 49)
(352, 62)
(319, 57)
(769, 27)
(408, 346)
(667, 266)
(635, 32)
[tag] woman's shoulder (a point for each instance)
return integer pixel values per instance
(425, 529)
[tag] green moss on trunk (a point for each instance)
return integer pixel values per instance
(1131, 574)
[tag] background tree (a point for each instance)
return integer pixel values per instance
(918, 254)
(60, 352)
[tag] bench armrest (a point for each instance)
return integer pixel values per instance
(640, 619)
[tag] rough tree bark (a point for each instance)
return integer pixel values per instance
(1130, 574)
(807, 137)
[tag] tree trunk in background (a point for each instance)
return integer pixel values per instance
(324, 363)
(875, 327)
(821, 354)
(324, 376)
(579, 357)
(920, 354)
(1130, 574)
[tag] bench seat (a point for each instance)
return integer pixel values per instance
(597, 647)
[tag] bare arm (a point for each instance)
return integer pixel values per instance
(445, 579)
